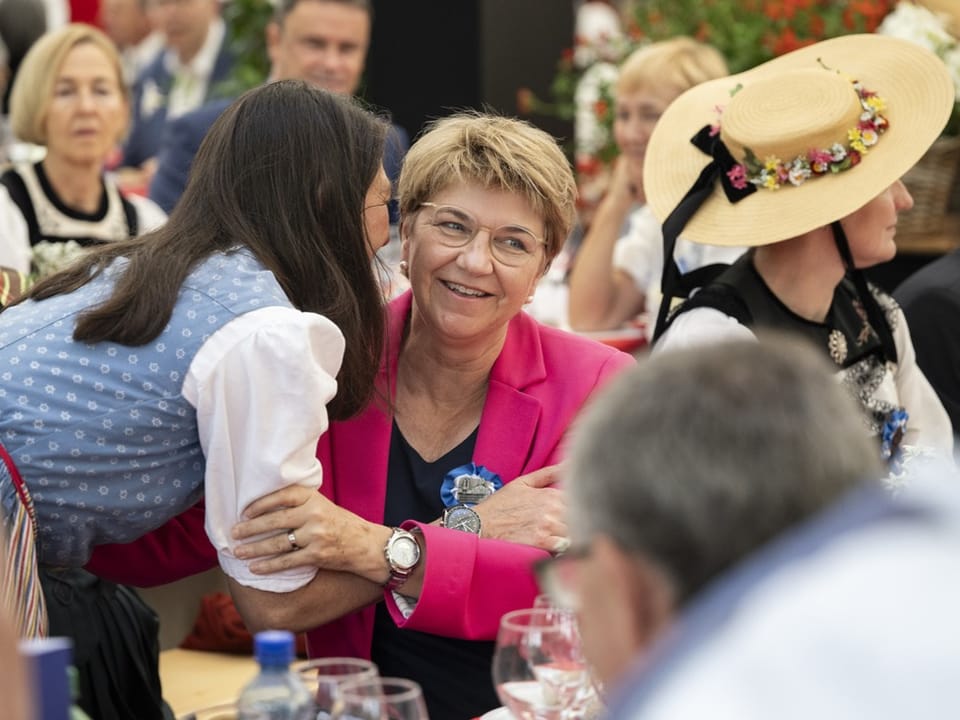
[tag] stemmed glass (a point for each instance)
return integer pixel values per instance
(379, 698)
(538, 666)
(324, 676)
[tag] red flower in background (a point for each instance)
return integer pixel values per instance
(869, 12)
(788, 41)
(749, 32)
(526, 101)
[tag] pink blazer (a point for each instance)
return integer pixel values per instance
(539, 383)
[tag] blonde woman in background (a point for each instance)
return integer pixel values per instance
(616, 272)
(69, 97)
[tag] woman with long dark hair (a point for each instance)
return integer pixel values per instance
(206, 358)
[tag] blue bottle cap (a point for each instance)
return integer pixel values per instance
(273, 647)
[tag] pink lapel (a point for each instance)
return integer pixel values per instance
(510, 415)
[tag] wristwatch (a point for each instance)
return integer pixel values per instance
(402, 552)
(461, 517)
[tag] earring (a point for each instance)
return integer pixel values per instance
(529, 299)
(404, 268)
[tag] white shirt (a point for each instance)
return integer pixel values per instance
(903, 384)
(136, 57)
(15, 249)
(190, 80)
(260, 385)
(639, 253)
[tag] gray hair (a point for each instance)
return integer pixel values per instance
(698, 457)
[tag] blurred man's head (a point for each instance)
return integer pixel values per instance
(125, 21)
(183, 23)
(323, 42)
(686, 465)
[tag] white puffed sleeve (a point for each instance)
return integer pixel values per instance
(701, 326)
(260, 386)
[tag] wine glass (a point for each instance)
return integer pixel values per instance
(538, 666)
(387, 698)
(324, 676)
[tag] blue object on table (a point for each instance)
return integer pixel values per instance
(276, 693)
(48, 660)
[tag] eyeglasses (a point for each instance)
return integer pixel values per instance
(511, 245)
(557, 577)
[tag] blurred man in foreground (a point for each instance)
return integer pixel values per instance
(735, 556)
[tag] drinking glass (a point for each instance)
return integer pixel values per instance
(545, 602)
(387, 698)
(538, 666)
(324, 676)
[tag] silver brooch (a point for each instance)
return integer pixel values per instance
(837, 345)
(471, 489)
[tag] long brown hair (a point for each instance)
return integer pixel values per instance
(284, 172)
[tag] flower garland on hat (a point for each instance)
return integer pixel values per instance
(773, 173)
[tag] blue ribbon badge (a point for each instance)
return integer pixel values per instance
(891, 437)
(468, 485)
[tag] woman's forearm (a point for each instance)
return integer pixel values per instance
(593, 293)
(330, 595)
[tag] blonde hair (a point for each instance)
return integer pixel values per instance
(32, 89)
(494, 152)
(680, 63)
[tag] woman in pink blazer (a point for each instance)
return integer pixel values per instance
(438, 498)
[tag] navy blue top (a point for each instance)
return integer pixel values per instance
(454, 673)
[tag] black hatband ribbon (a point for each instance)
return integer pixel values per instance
(875, 314)
(672, 283)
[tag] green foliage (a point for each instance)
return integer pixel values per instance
(750, 32)
(246, 22)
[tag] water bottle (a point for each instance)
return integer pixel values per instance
(275, 693)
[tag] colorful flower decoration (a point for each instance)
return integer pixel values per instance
(773, 173)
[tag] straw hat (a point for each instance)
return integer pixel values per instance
(800, 102)
(948, 9)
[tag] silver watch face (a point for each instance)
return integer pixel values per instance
(462, 518)
(404, 552)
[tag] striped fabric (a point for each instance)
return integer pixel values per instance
(20, 592)
(12, 283)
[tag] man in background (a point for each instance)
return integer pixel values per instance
(127, 23)
(196, 58)
(323, 42)
(736, 556)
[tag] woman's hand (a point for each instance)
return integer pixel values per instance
(624, 190)
(528, 510)
(327, 536)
